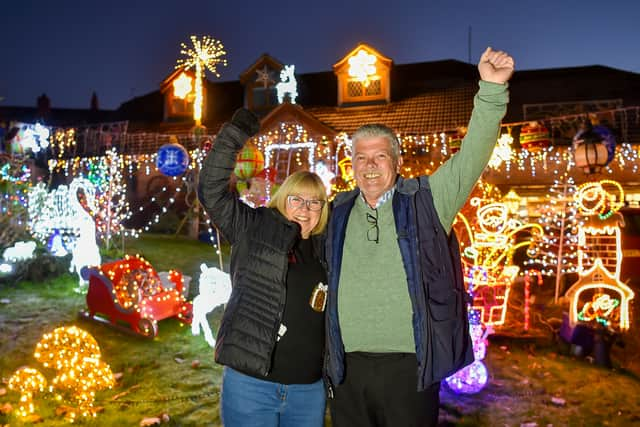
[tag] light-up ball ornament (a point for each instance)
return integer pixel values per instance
(594, 147)
(27, 381)
(249, 162)
(534, 137)
(470, 379)
(455, 142)
(172, 159)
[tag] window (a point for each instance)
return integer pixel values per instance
(264, 97)
(357, 89)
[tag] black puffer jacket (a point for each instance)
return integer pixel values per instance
(261, 240)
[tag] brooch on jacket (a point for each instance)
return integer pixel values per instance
(318, 300)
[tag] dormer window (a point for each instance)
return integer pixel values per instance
(183, 95)
(264, 90)
(259, 83)
(363, 77)
(178, 91)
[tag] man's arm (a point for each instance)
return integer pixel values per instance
(453, 181)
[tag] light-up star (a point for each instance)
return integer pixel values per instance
(264, 77)
(182, 86)
(362, 66)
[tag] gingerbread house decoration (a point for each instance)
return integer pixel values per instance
(599, 298)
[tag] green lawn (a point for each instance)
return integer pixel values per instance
(158, 376)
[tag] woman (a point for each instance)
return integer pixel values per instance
(271, 337)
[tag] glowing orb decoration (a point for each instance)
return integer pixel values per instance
(287, 85)
(534, 137)
(594, 147)
(249, 163)
(215, 290)
(471, 379)
(172, 159)
(75, 356)
(27, 381)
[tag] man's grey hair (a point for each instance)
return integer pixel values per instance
(375, 130)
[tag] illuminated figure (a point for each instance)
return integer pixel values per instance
(85, 250)
(215, 290)
(287, 84)
(488, 256)
(599, 297)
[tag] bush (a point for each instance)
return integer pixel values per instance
(42, 266)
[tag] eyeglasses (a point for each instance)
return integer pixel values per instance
(373, 233)
(298, 202)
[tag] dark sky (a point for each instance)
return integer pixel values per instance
(120, 49)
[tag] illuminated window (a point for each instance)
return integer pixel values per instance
(363, 76)
(358, 89)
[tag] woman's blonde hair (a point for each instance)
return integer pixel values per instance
(296, 184)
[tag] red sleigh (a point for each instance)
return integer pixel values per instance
(130, 291)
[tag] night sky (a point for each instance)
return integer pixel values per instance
(121, 49)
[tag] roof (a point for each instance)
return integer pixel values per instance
(434, 111)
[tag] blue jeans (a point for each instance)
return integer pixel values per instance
(249, 402)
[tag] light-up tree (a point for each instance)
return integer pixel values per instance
(558, 249)
(111, 202)
(205, 54)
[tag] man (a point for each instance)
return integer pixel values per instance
(396, 321)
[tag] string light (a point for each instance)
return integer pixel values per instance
(75, 356)
(27, 381)
(205, 54)
(600, 297)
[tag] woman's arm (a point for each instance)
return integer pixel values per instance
(227, 212)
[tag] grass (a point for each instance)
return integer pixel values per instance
(526, 370)
(157, 375)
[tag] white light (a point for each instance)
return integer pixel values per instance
(215, 289)
(20, 251)
(287, 84)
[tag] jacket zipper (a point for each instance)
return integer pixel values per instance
(283, 300)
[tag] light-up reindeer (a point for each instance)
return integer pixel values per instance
(85, 249)
(287, 84)
(215, 289)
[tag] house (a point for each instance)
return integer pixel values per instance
(418, 100)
